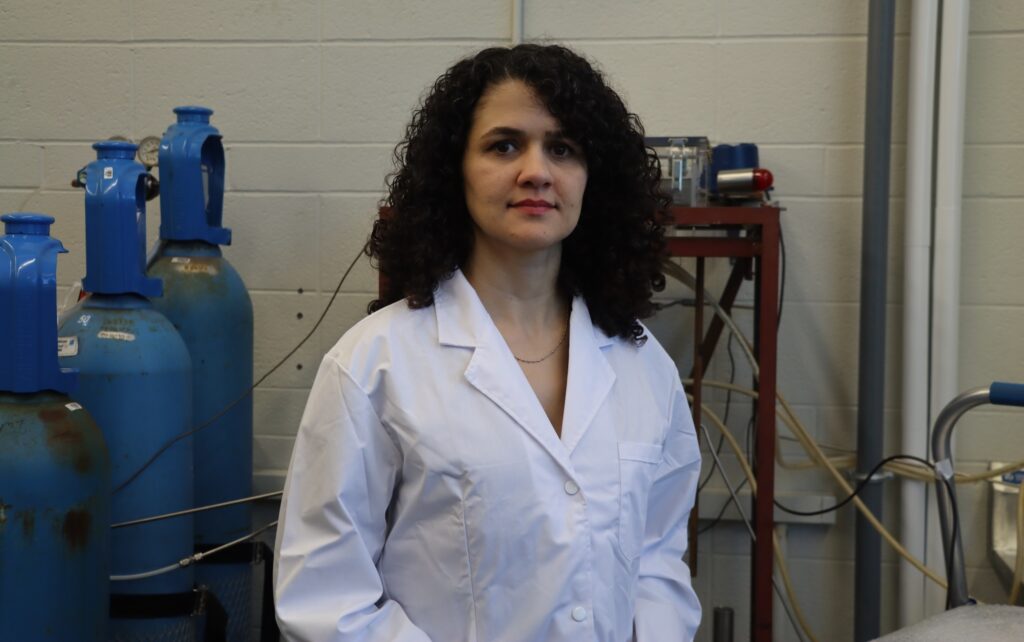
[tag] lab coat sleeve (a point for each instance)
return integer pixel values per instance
(332, 524)
(666, 605)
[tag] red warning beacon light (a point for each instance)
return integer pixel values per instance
(755, 179)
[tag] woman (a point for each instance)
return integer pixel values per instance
(500, 452)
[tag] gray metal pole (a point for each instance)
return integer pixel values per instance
(722, 625)
(875, 244)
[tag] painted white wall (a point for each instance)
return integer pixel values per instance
(312, 96)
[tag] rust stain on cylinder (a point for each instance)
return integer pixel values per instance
(65, 439)
(28, 522)
(76, 528)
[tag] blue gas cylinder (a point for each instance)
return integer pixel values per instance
(54, 469)
(135, 377)
(206, 300)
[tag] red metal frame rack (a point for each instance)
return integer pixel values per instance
(755, 238)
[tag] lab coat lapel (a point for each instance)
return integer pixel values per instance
(590, 375)
(463, 321)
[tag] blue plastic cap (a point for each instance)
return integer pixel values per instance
(115, 149)
(193, 114)
(1002, 393)
(115, 223)
(192, 179)
(28, 224)
(28, 307)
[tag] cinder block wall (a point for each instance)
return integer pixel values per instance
(311, 97)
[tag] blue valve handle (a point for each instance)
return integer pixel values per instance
(1001, 393)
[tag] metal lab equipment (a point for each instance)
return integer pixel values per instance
(999, 393)
(684, 163)
(54, 469)
(135, 378)
(1005, 498)
(206, 300)
(736, 175)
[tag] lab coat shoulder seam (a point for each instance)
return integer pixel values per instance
(369, 404)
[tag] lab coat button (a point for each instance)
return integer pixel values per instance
(571, 487)
(579, 614)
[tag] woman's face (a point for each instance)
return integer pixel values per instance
(524, 179)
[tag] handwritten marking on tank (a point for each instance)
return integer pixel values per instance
(117, 336)
(13, 423)
(84, 319)
(67, 346)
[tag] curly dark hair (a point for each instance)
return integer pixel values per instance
(613, 257)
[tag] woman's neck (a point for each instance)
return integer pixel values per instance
(521, 291)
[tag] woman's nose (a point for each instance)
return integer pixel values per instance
(535, 170)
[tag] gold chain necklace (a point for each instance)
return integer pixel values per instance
(565, 335)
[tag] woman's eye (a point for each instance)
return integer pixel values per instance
(503, 146)
(562, 150)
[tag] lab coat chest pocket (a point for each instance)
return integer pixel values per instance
(637, 464)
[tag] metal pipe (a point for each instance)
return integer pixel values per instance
(949, 148)
(197, 509)
(722, 630)
(518, 20)
(874, 250)
(945, 491)
(916, 289)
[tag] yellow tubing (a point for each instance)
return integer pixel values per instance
(816, 453)
(780, 561)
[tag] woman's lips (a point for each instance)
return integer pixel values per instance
(535, 207)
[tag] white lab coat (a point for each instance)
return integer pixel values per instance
(430, 499)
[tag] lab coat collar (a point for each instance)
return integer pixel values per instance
(462, 321)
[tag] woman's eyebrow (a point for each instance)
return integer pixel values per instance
(503, 131)
(513, 132)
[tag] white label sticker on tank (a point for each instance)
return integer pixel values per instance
(108, 172)
(113, 334)
(67, 346)
(181, 259)
(72, 406)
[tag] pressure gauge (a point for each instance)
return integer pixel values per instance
(149, 151)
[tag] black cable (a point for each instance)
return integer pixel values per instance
(849, 498)
(951, 557)
(188, 433)
(685, 303)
